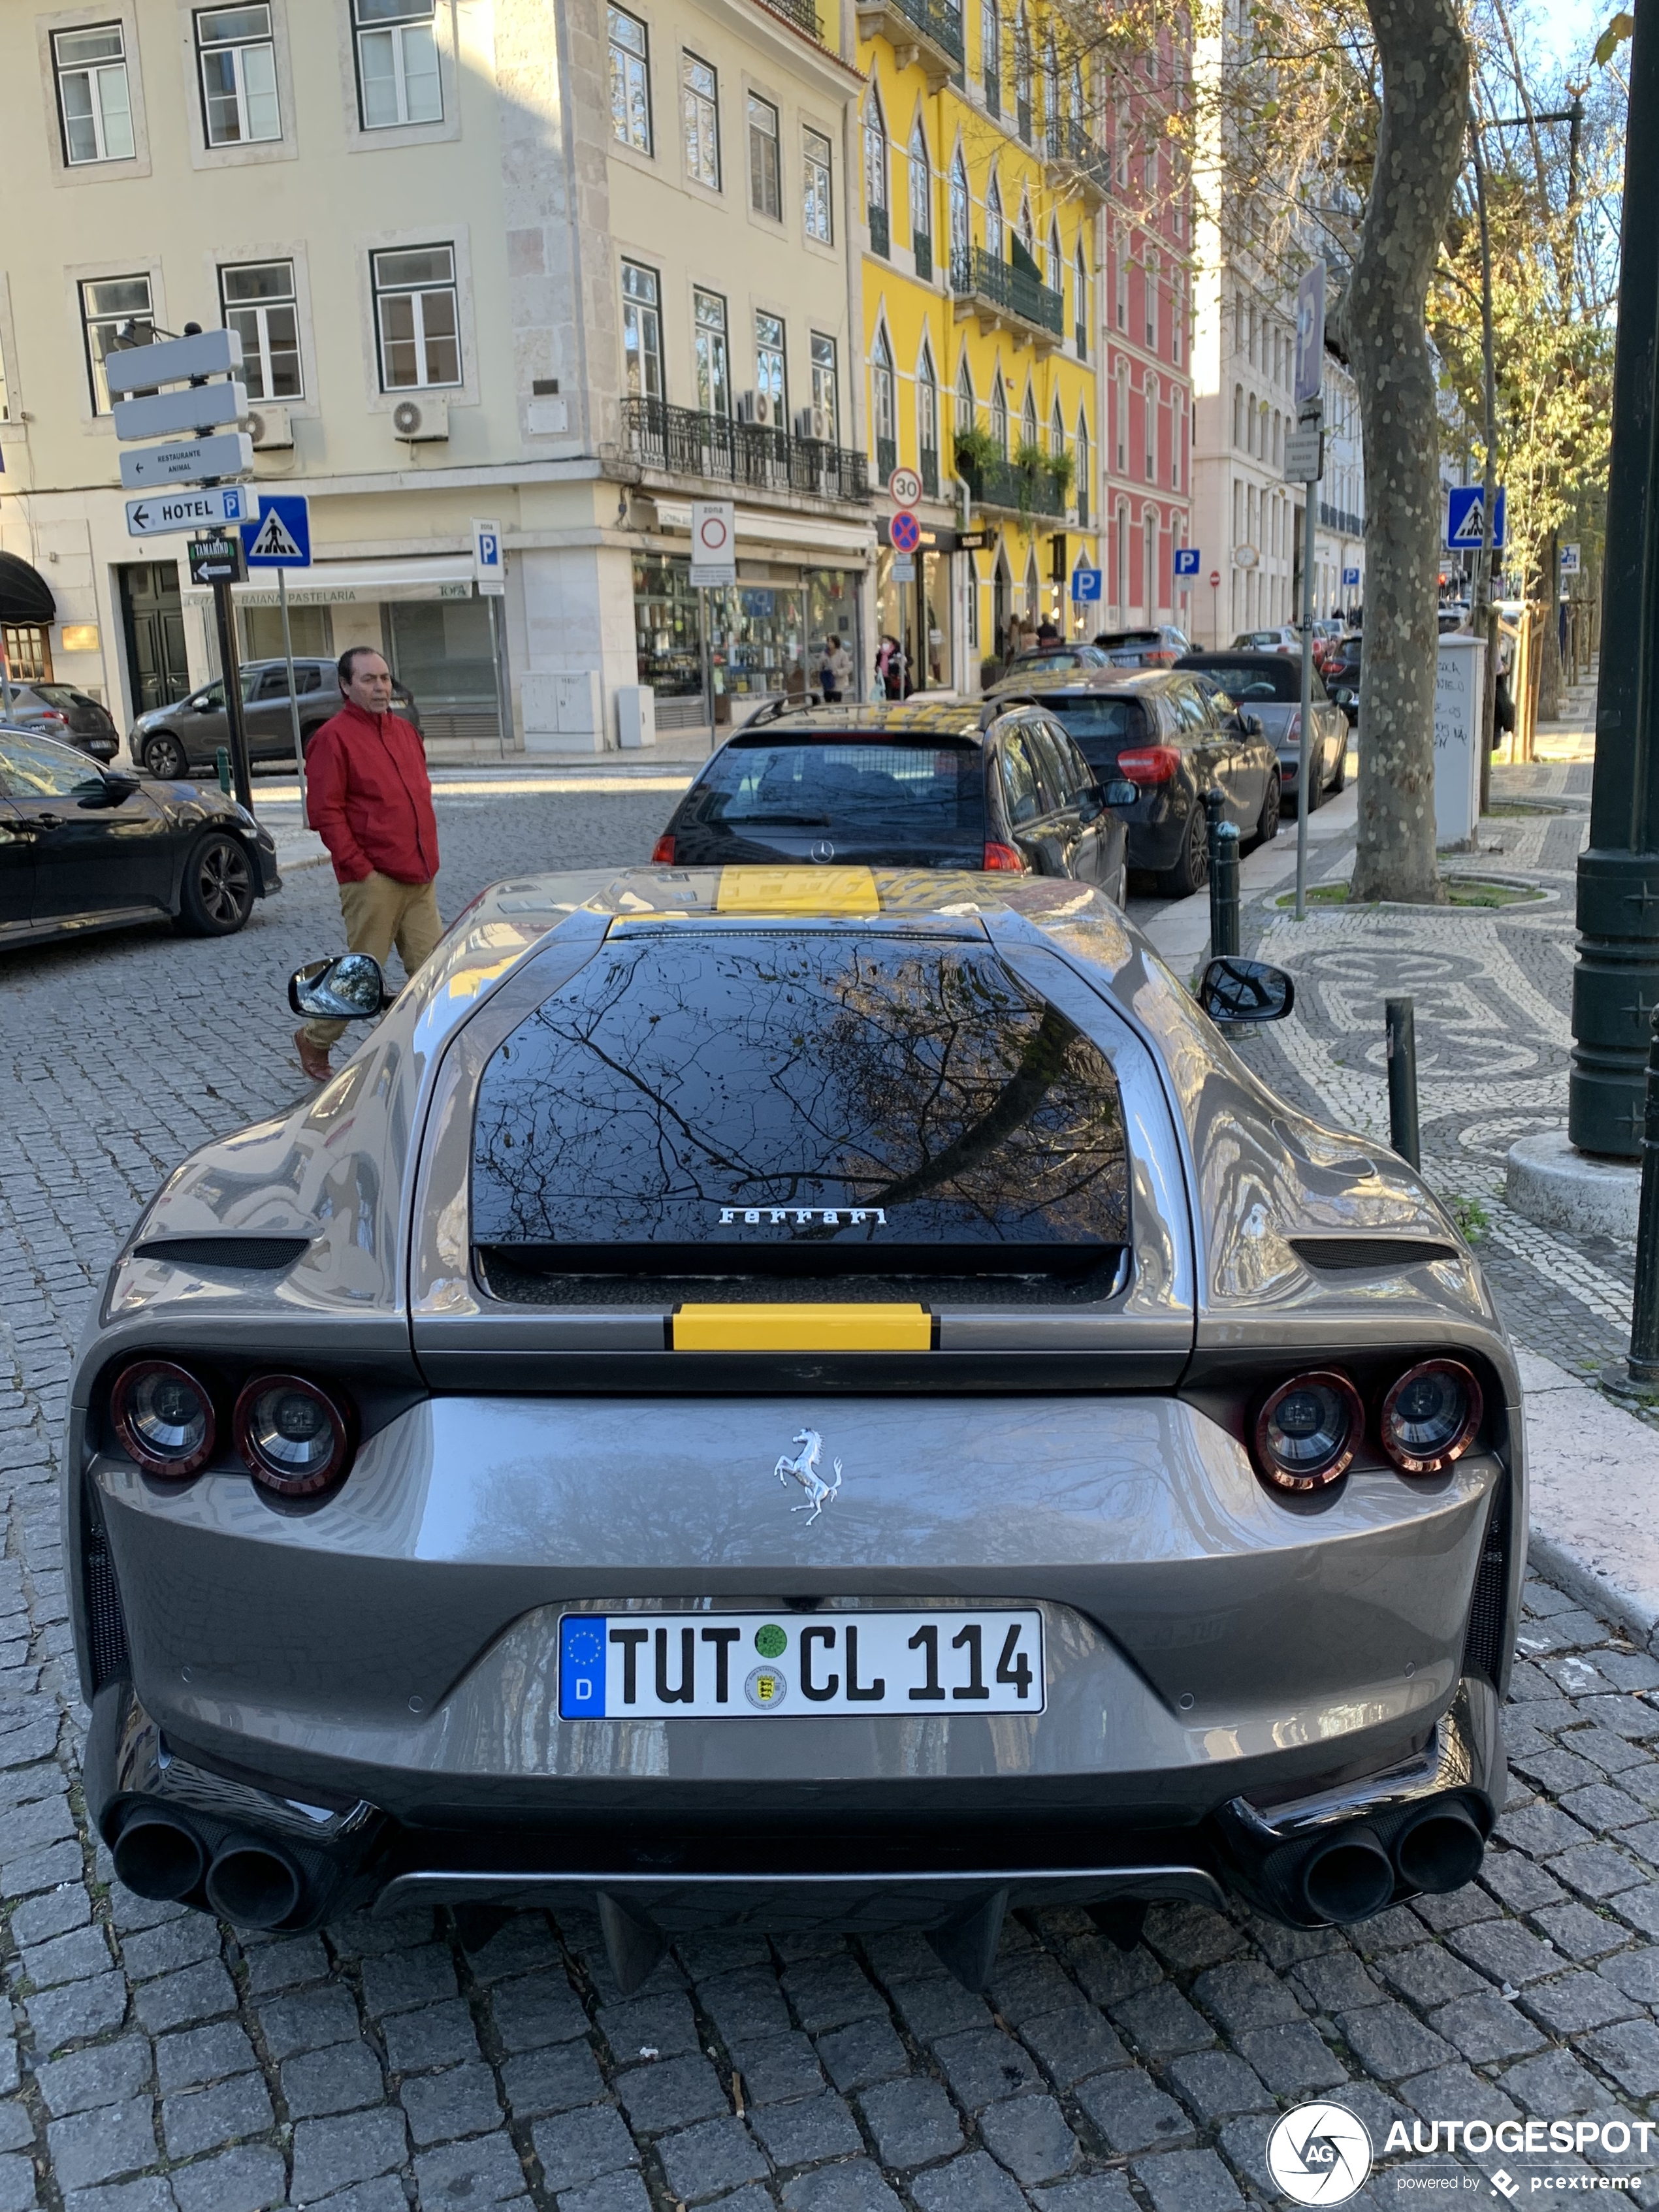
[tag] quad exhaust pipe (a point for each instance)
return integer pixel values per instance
(160, 1855)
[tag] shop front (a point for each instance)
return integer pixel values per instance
(916, 612)
(710, 657)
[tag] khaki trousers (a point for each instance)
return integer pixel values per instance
(381, 912)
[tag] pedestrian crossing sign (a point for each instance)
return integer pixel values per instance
(1466, 506)
(281, 538)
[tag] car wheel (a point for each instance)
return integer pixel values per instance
(216, 896)
(1268, 820)
(1316, 790)
(1192, 870)
(164, 757)
(1340, 781)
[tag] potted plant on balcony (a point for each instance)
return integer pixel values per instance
(1030, 465)
(976, 450)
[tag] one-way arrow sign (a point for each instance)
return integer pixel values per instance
(207, 509)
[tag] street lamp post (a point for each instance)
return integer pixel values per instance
(1616, 977)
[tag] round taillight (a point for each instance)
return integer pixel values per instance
(1431, 1416)
(1309, 1431)
(164, 1417)
(294, 1436)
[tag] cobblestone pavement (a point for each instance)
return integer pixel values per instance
(150, 2058)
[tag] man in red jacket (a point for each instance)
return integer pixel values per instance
(369, 799)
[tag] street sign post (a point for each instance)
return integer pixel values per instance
(904, 531)
(1310, 379)
(1086, 585)
(1304, 452)
(216, 559)
(904, 487)
(489, 581)
(1570, 565)
(1187, 559)
(192, 407)
(214, 508)
(1350, 576)
(146, 467)
(1466, 518)
(904, 568)
(279, 538)
(714, 567)
(173, 361)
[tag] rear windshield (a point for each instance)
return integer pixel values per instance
(1245, 682)
(915, 795)
(1114, 637)
(798, 1105)
(1035, 663)
(1118, 721)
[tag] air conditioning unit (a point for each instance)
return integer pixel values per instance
(271, 429)
(813, 423)
(417, 420)
(755, 407)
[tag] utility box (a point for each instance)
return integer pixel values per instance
(562, 713)
(1458, 695)
(637, 716)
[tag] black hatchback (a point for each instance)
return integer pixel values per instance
(903, 786)
(1174, 739)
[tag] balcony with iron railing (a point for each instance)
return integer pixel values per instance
(681, 442)
(886, 458)
(1339, 519)
(1006, 298)
(801, 13)
(927, 470)
(880, 234)
(1088, 165)
(925, 31)
(1005, 488)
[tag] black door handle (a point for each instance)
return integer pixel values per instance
(47, 822)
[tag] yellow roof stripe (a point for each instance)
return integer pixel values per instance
(787, 1327)
(797, 890)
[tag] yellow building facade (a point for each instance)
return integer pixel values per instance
(981, 193)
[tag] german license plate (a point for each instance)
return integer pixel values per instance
(743, 1665)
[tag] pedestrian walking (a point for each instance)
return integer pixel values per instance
(836, 673)
(369, 799)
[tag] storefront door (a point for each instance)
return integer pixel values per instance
(153, 618)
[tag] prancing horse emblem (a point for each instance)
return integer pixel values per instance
(804, 1468)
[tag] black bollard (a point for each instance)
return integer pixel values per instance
(221, 762)
(1644, 1313)
(1401, 1033)
(1224, 879)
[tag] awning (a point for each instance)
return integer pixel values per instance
(356, 583)
(25, 596)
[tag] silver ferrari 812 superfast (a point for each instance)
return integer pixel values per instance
(794, 1398)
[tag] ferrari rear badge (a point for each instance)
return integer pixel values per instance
(831, 1215)
(804, 1469)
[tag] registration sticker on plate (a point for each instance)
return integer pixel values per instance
(742, 1666)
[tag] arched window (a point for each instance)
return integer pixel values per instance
(1120, 426)
(990, 43)
(883, 397)
(1026, 228)
(1023, 76)
(927, 421)
(1057, 262)
(994, 220)
(921, 203)
(1054, 133)
(961, 235)
(1032, 593)
(1079, 113)
(1121, 584)
(875, 172)
(1028, 419)
(1056, 428)
(1082, 481)
(1149, 520)
(966, 411)
(1152, 403)
(1238, 417)
(1177, 434)
(1000, 413)
(1278, 429)
(1080, 300)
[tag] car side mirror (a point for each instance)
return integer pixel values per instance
(1245, 990)
(199, 706)
(350, 988)
(1120, 792)
(1251, 724)
(114, 789)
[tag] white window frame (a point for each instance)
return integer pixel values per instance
(825, 355)
(418, 15)
(1153, 277)
(624, 65)
(100, 390)
(417, 294)
(640, 307)
(700, 116)
(94, 71)
(817, 171)
(1151, 402)
(260, 351)
(757, 131)
(238, 49)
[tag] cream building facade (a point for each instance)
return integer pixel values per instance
(437, 225)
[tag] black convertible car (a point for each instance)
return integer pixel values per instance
(82, 848)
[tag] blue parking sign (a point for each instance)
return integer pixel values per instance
(1085, 584)
(1186, 560)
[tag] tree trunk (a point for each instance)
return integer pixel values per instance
(1425, 88)
(1549, 656)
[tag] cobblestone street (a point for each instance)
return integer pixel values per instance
(153, 2061)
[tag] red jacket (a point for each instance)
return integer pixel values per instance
(369, 799)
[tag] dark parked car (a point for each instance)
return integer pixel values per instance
(1342, 676)
(749, 1408)
(896, 787)
(1169, 736)
(1041, 660)
(1268, 686)
(81, 848)
(171, 741)
(59, 710)
(1159, 646)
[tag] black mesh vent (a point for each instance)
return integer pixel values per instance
(106, 1629)
(1483, 1645)
(1375, 1255)
(260, 1254)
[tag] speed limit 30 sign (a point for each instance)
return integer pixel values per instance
(904, 487)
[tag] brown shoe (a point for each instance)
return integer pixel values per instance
(314, 1063)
